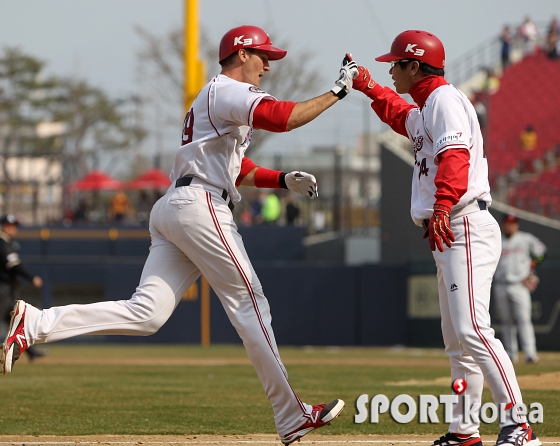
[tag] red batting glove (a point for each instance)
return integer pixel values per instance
(438, 228)
(363, 82)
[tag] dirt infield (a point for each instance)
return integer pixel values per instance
(226, 440)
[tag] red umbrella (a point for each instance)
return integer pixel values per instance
(151, 179)
(96, 180)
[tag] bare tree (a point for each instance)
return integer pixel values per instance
(93, 123)
(162, 59)
(96, 124)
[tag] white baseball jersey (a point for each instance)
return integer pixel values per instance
(517, 253)
(435, 129)
(216, 132)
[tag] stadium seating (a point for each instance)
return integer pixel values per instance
(540, 195)
(528, 94)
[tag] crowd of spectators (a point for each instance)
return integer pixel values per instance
(270, 208)
(529, 39)
(132, 208)
(515, 44)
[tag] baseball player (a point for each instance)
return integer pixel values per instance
(450, 198)
(193, 231)
(513, 283)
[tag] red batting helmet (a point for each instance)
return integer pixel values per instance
(419, 45)
(248, 36)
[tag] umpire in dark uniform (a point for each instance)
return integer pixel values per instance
(11, 270)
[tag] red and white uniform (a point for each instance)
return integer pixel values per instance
(451, 169)
(193, 233)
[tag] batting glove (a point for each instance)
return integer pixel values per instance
(302, 183)
(363, 81)
(348, 72)
(438, 228)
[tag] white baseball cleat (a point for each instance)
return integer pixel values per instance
(518, 435)
(15, 343)
(320, 416)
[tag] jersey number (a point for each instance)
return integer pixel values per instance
(423, 169)
(188, 128)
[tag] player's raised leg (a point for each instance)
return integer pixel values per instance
(166, 276)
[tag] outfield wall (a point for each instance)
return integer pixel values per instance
(311, 304)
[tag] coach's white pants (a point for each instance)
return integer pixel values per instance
(465, 274)
(192, 232)
(514, 308)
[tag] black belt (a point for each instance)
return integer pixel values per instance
(186, 181)
(481, 206)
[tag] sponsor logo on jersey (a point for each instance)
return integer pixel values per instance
(255, 89)
(453, 287)
(453, 137)
(411, 48)
(241, 41)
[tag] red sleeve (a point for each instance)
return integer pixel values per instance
(267, 178)
(391, 108)
(272, 115)
(452, 178)
(247, 167)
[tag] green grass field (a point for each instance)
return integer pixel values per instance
(100, 389)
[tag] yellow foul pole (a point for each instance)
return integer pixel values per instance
(194, 69)
(204, 312)
(194, 80)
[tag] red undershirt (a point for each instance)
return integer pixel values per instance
(272, 115)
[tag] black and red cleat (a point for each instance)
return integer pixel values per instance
(450, 439)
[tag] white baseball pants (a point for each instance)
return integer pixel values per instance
(193, 232)
(465, 274)
(514, 308)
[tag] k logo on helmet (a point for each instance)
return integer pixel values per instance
(240, 41)
(416, 52)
